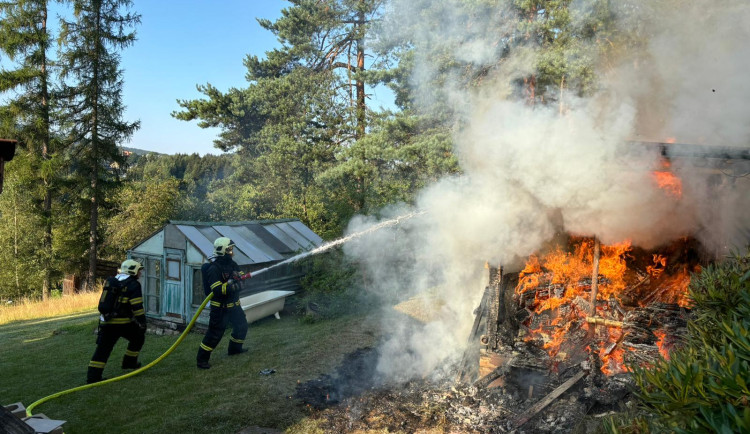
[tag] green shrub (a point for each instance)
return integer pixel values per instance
(703, 388)
(331, 288)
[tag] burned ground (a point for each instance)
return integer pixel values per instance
(351, 399)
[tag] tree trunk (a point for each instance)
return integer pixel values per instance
(94, 214)
(93, 226)
(47, 211)
(530, 89)
(361, 107)
(15, 241)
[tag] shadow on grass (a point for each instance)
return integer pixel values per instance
(20, 331)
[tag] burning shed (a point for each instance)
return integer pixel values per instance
(173, 255)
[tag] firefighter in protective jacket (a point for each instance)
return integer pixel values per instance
(128, 320)
(222, 278)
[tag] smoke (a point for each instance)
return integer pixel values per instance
(531, 171)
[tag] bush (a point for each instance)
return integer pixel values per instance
(703, 388)
(331, 287)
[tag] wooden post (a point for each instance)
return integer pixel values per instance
(594, 284)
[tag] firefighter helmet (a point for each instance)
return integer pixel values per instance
(131, 267)
(222, 245)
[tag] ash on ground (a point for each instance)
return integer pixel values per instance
(354, 399)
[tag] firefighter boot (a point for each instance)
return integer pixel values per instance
(203, 356)
(130, 360)
(235, 346)
(94, 374)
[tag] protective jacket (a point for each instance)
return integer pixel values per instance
(130, 307)
(221, 278)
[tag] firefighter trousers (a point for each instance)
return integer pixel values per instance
(109, 334)
(219, 318)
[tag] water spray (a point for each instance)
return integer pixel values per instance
(182, 336)
(332, 244)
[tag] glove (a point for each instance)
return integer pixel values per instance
(142, 326)
(233, 285)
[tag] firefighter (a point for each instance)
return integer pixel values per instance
(222, 278)
(128, 320)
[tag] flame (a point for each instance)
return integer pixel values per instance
(568, 274)
(614, 362)
(659, 263)
(556, 281)
(661, 336)
(668, 181)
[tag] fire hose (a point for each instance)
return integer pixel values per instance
(141, 369)
(137, 371)
(130, 374)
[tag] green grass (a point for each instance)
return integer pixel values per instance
(42, 357)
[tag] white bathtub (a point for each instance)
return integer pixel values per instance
(263, 304)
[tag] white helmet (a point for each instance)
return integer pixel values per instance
(222, 245)
(131, 267)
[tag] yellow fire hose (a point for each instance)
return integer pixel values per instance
(128, 375)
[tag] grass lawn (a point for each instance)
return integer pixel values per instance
(42, 357)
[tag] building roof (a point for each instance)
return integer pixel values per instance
(255, 241)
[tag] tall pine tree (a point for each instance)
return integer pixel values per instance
(93, 102)
(305, 102)
(25, 39)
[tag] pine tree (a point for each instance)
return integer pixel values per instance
(305, 102)
(93, 102)
(25, 39)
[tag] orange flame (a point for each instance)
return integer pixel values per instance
(560, 277)
(668, 181)
(660, 343)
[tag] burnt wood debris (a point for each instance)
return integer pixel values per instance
(510, 379)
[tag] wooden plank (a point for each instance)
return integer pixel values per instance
(474, 330)
(488, 362)
(536, 408)
(496, 373)
(594, 285)
(604, 321)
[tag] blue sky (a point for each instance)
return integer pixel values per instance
(182, 43)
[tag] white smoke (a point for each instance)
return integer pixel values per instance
(530, 171)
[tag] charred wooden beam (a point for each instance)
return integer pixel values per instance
(686, 150)
(614, 344)
(594, 283)
(495, 305)
(539, 406)
(480, 313)
(581, 304)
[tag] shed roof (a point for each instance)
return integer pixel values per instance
(256, 242)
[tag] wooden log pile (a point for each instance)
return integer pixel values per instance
(592, 332)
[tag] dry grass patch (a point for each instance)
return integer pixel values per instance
(26, 309)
